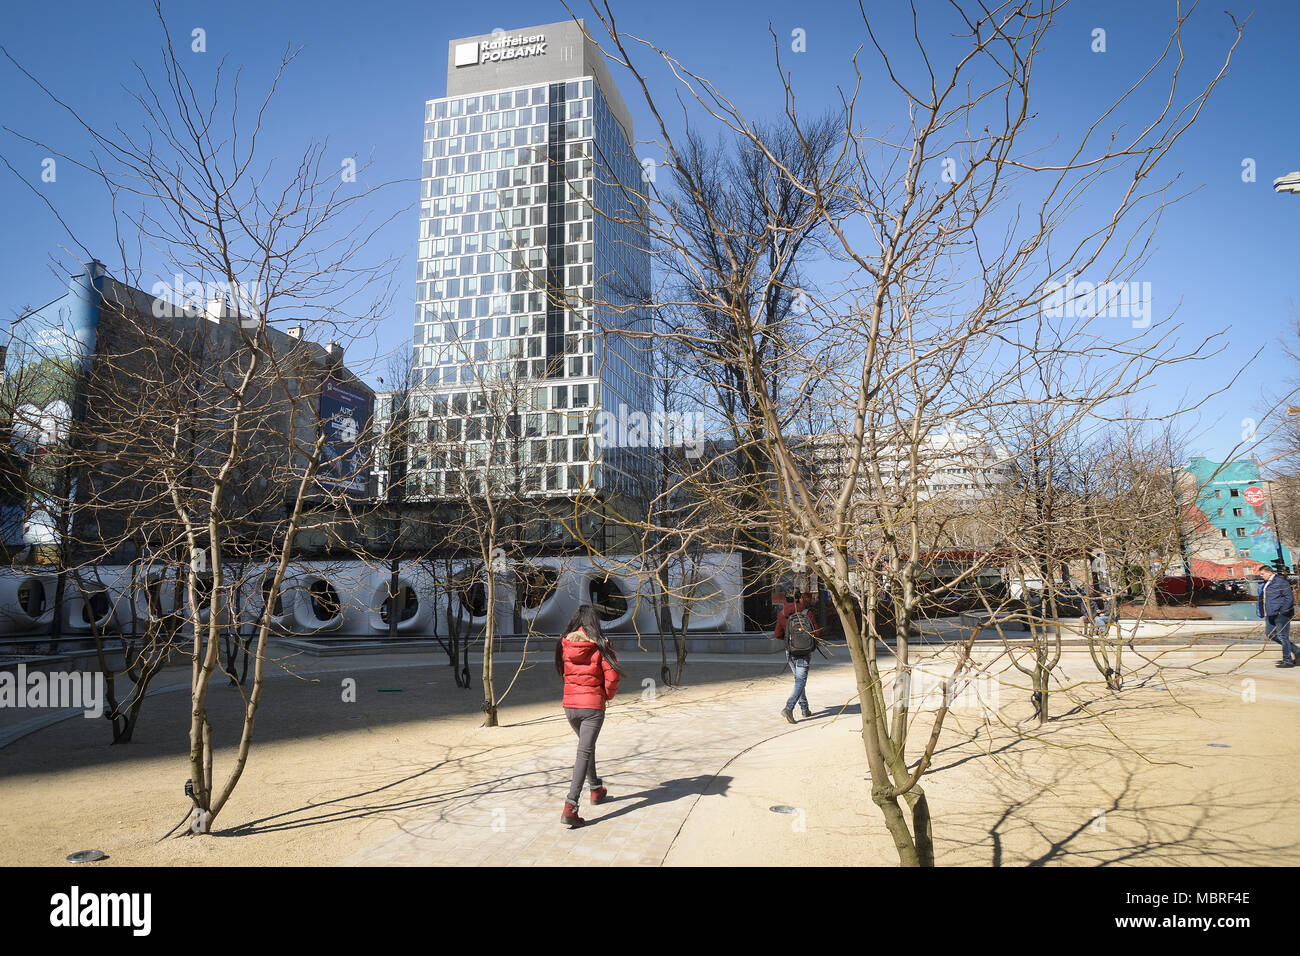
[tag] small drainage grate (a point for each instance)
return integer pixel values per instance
(1225, 746)
(86, 856)
(781, 808)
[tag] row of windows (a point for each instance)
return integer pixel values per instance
(570, 478)
(449, 130)
(573, 253)
(447, 452)
(484, 102)
(501, 349)
(451, 108)
(504, 326)
(468, 374)
(542, 400)
(485, 143)
(500, 219)
(434, 252)
(528, 424)
(455, 247)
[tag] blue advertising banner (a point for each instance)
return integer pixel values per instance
(345, 413)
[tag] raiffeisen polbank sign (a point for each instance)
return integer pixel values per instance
(500, 49)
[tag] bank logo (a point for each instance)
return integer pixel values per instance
(499, 49)
(466, 54)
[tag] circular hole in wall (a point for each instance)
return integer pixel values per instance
(94, 607)
(408, 604)
(536, 585)
(473, 595)
(608, 598)
(31, 597)
(325, 603)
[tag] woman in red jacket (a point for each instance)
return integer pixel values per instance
(586, 661)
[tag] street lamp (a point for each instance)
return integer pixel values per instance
(1290, 183)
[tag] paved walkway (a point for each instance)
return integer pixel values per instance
(656, 759)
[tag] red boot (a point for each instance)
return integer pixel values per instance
(570, 816)
(599, 794)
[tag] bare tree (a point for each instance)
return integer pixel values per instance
(209, 440)
(958, 239)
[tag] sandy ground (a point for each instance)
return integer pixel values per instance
(1197, 768)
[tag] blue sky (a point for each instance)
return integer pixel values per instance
(1226, 256)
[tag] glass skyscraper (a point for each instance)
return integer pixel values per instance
(531, 267)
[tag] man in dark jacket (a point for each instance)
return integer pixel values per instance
(1276, 606)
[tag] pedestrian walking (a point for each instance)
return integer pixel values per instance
(1276, 605)
(796, 627)
(586, 661)
(1102, 618)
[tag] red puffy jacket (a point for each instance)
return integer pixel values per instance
(589, 679)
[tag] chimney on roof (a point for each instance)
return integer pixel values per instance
(335, 351)
(294, 331)
(217, 308)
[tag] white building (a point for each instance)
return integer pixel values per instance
(952, 465)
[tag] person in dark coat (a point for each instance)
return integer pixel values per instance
(1276, 605)
(586, 661)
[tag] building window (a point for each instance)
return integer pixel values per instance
(1236, 512)
(1218, 493)
(1241, 532)
(1234, 493)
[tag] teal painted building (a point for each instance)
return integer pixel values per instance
(1232, 500)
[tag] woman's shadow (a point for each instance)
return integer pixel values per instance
(666, 792)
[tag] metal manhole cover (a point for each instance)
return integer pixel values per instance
(86, 856)
(782, 808)
(1221, 745)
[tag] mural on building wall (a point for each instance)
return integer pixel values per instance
(1230, 514)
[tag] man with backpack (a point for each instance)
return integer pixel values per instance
(796, 627)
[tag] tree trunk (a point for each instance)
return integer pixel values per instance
(489, 638)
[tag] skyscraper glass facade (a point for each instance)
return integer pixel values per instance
(531, 268)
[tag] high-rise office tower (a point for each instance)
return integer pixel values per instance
(531, 265)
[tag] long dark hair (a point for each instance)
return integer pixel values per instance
(587, 620)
